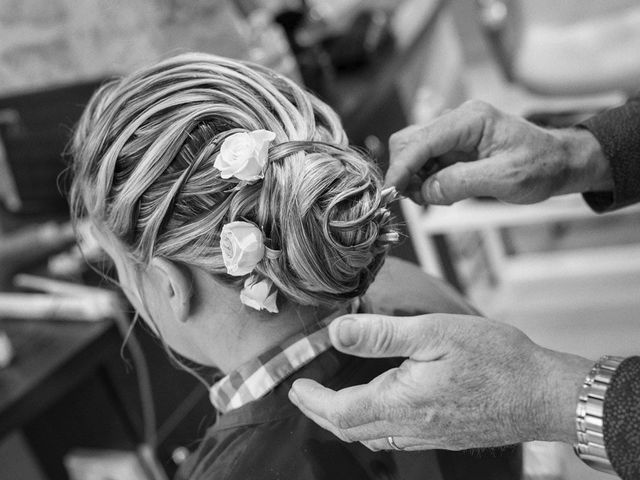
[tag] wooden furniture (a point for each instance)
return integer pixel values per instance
(69, 386)
(555, 269)
(487, 217)
(55, 365)
(50, 359)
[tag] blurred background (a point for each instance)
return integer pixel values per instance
(76, 404)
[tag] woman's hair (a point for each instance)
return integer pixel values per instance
(142, 166)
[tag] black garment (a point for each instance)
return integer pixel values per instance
(618, 131)
(271, 439)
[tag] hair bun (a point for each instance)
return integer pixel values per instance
(333, 225)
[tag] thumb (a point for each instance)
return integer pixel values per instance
(487, 177)
(369, 335)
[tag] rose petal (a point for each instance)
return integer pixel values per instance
(255, 294)
(271, 304)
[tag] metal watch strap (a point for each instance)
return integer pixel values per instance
(589, 414)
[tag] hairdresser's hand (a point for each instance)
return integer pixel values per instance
(477, 150)
(467, 382)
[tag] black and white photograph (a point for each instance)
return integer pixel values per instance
(319, 239)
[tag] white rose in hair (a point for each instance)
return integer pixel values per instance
(258, 295)
(244, 155)
(242, 247)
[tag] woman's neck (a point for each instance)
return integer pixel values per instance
(241, 334)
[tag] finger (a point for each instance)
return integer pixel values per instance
(414, 189)
(411, 148)
(491, 177)
(335, 410)
(348, 414)
(302, 395)
(370, 335)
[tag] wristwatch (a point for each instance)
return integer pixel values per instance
(589, 414)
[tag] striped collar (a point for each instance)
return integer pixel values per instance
(257, 377)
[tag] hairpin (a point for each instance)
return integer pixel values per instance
(389, 194)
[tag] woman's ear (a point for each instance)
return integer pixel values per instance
(176, 283)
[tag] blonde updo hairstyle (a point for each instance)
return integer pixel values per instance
(142, 166)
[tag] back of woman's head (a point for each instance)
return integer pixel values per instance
(143, 171)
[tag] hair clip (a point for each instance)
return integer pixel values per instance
(391, 237)
(389, 194)
(382, 214)
(244, 155)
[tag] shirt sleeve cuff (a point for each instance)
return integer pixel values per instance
(617, 132)
(600, 202)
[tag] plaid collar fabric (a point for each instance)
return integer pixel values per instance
(259, 376)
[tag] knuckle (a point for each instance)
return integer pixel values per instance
(342, 423)
(395, 139)
(399, 139)
(337, 419)
(406, 137)
(522, 176)
(468, 104)
(382, 336)
(480, 107)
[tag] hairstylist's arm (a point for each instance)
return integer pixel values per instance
(467, 382)
(477, 150)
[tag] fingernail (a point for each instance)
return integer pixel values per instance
(432, 191)
(348, 332)
(293, 396)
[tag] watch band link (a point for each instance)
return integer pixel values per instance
(590, 412)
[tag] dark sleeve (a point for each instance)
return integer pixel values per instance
(622, 420)
(618, 131)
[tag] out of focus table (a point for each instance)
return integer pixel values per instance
(60, 390)
(51, 357)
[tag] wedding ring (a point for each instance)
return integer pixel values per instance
(392, 444)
